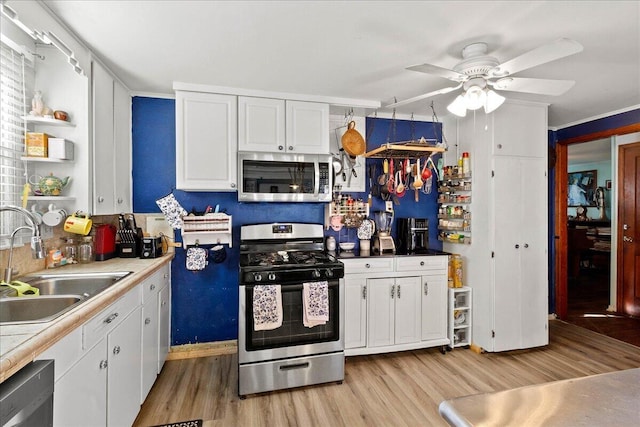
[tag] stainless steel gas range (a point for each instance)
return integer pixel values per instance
(288, 354)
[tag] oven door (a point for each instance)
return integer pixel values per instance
(292, 339)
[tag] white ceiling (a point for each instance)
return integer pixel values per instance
(359, 49)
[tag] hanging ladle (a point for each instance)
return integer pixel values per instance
(417, 181)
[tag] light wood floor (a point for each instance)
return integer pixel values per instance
(399, 389)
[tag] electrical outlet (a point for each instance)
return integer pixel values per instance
(388, 206)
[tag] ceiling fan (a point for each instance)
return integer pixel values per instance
(479, 73)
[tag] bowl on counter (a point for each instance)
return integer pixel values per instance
(347, 246)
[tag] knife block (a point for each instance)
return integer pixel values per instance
(130, 243)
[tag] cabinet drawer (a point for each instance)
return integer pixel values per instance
(151, 286)
(421, 263)
(96, 329)
(367, 265)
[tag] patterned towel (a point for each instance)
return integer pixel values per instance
(267, 307)
(315, 298)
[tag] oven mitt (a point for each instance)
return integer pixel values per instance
(172, 210)
(219, 254)
(196, 259)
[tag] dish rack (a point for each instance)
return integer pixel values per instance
(208, 229)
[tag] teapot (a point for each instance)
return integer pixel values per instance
(49, 185)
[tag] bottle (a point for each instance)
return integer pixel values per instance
(85, 250)
(54, 257)
(466, 163)
(456, 264)
(331, 243)
(70, 251)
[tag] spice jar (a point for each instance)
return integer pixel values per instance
(85, 250)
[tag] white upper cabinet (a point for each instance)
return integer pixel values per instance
(261, 124)
(279, 126)
(522, 130)
(206, 141)
(307, 126)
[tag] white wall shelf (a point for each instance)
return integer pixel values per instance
(47, 121)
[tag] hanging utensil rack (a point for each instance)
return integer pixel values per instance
(403, 149)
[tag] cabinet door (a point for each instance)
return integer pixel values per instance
(407, 310)
(261, 124)
(164, 324)
(123, 376)
(355, 316)
(122, 149)
(520, 288)
(520, 130)
(103, 133)
(307, 125)
(206, 141)
(150, 344)
(81, 394)
(380, 312)
(434, 306)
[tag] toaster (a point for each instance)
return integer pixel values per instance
(151, 247)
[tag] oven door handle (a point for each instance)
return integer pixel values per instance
(294, 366)
(293, 287)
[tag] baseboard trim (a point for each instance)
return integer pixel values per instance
(205, 349)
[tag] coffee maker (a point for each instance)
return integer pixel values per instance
(413, 236)
(383, 242)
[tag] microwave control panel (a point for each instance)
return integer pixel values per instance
(324, 184)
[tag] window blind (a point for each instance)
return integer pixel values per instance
(16, 82)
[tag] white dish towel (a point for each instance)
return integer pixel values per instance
(315, 298)
(267, 307)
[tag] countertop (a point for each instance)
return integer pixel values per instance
(358, 254)
(21, 344)
(607, 399)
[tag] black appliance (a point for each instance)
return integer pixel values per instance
(151, 247)
(292, 355)
(413, 236)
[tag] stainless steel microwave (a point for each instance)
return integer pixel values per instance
(275, 177)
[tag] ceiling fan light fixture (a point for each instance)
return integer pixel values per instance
(493, 101)
(475, 98)
(458, 106)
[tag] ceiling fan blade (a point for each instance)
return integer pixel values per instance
(538, 56)
(439, 71)
(537, 86)
(423, 96)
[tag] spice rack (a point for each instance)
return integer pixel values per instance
(208, 229)
(351, 211)
(454, 215)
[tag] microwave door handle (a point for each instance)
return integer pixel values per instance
(316, 174)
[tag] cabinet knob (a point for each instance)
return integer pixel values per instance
(517, 246)
(152, 287)
(499, 146)
(290, 148)
(100, 199)
(526, 245)
(147, 320)
(120, 200)
(116, 349)
(165, 275)
(367, 265)
(421, 263)
(163, 303)
(103, 364)
(233, 185)
(280, 147)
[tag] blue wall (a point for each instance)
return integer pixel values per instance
(205, 303)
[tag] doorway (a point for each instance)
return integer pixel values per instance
(603, 319)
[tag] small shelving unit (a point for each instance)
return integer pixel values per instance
(51, 198)
(460, 320)
(454, 216)
(44, 160)
(351, 214)
(208, 229)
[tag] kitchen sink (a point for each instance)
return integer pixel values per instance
(85, 284)
(16, 310)
(59, 293)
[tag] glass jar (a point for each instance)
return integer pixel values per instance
(70, 251)
(85, 250)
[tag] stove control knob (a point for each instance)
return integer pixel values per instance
(257, 277)
(328, 272)
(272, 276)
(315, 273)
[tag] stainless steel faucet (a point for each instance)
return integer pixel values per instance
(37, 249)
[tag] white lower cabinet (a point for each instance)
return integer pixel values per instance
(155, 327)
(105, 368)
(395, 303)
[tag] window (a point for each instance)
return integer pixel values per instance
(17, 80)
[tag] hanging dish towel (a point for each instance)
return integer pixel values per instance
(315, 298)
(267, 307)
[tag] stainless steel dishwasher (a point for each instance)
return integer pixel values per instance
(26, 398)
